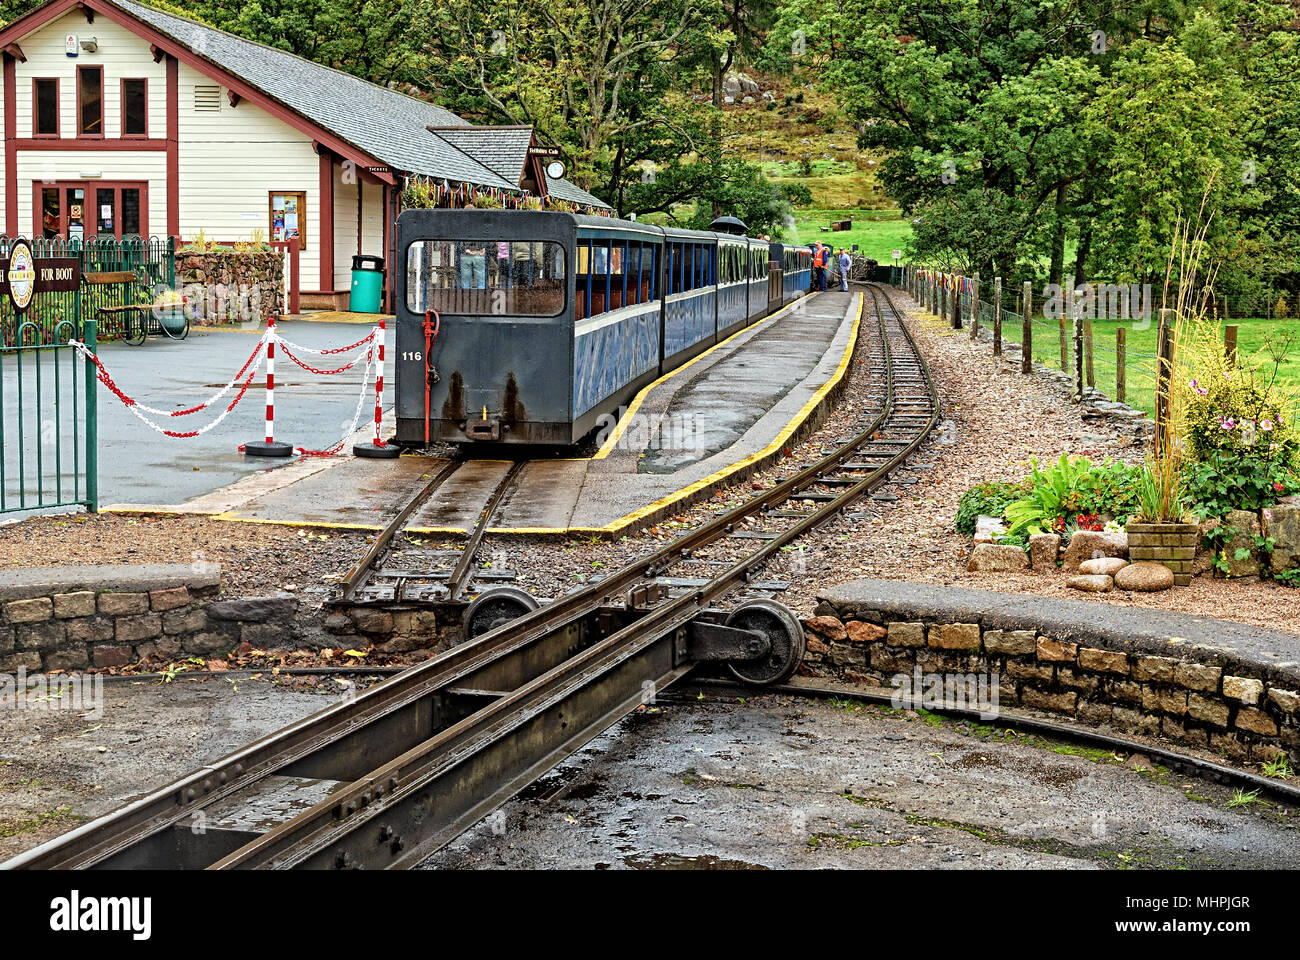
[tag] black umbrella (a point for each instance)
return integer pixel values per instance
(729, 225)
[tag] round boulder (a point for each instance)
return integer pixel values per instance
(1103, 566)
(1145, 577)
(1091, 544)
(1090, 583)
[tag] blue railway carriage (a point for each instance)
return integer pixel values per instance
(527, 327)
(796, 269)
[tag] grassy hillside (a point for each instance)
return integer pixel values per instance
(802, 137)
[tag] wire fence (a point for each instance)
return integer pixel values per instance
(1111, 364)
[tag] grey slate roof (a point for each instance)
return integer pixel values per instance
(503, 149)
(383, 123)
(564, 190)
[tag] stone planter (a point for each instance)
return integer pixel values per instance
(1171, 544)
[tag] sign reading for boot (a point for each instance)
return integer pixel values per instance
(22, 275)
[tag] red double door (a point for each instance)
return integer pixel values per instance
(91, 208)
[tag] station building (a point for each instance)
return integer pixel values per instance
(120, 119)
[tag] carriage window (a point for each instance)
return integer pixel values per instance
(516, 278)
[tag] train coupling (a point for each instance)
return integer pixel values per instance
(483, 429)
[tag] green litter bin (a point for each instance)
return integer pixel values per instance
(367, 284)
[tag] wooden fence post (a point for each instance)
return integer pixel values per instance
(1164, 373)
(1087, 353)
(1062, 336)
(1027, 329)
(956, 302)
(1230, 343)
(975, 307)
(1121, 358)
(997, 316)
(1075, 313)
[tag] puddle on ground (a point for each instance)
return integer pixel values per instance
(677, 861)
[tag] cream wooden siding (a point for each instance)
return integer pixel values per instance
(372, 223)
(345, 225)
(230, 161)
(149, 166)
(121, 53)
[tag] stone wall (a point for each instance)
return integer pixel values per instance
(395, 629)
(224, 285)
(74, 618)
(1229, 688)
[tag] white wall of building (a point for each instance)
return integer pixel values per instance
(149, 166)
(230, 161)
(121, 53)
(345, 224)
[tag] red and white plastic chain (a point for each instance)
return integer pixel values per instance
(329, 351)
(105, 379)
(317, 370)
(136, 409)
(356, 416)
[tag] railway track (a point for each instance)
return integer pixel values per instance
(384, 779)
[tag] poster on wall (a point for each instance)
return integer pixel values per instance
(288, 215)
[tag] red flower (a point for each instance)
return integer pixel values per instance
(1278, 487)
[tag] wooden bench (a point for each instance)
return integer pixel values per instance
(134, 333)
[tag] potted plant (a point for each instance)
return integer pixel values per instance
(1157, 532)
(169, 311)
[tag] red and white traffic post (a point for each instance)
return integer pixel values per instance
(269, 447)
(377, 449)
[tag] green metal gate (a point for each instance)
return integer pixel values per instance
(47, 390)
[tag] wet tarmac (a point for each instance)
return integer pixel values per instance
(730, 408)
(138, 465)
(59, 767)
(782, 783)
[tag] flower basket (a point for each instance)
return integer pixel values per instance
(1170, 544)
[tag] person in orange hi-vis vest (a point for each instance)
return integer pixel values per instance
(819, 265)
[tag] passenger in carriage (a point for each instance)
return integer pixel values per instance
(472, 263)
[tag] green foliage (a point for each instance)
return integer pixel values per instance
(1290, 578)
(1161, 491)
(1070, 490)
(990, 499)
(1244, 480)
(1011, 137)
(1238, 427)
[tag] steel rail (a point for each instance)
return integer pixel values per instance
(460, 774)
(356, 576)
(459, 578)
(398, 712)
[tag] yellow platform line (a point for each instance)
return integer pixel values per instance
(340, 316)
(777, 442)
(612, 440)
(319, 525)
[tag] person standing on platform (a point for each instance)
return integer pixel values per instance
(845, 263)
(819, 265)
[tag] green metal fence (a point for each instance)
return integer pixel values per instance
(150, 262)
(48, 435)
